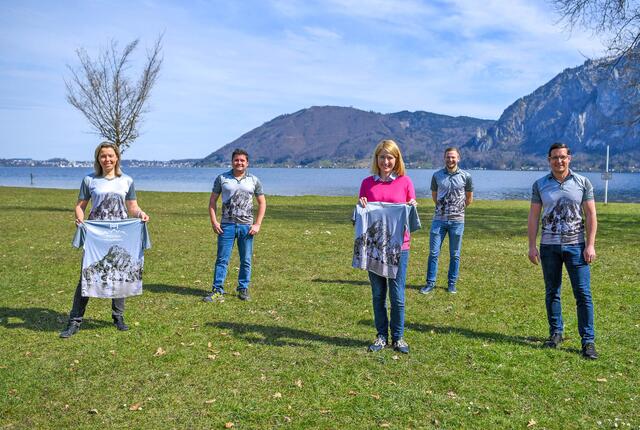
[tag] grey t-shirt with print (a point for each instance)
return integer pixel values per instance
(562, 222)
(237, 196)
(450, 189)
(107, 195)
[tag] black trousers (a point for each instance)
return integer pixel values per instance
(80, 305)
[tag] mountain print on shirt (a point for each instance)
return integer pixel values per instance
(451, 203)
(376, 243)
(239, 206)
(564, 219)
(110, 208)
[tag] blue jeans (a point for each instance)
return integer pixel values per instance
(232, 232)
(436, 237)
(379, 287)
(552, 257)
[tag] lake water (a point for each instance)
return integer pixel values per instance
(488, 184)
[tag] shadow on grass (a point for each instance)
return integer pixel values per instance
(340, 281)
(41, 319)
(530, 341)
(283, 336)
(176, 289)
(36, 208)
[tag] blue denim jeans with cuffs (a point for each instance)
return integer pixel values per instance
(552, 257)
(439, 229)
(231, 233)
(395, 287)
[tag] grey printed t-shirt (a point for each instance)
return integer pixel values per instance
(562, 222)
(450, 189)
(237, 196)
(107, 196)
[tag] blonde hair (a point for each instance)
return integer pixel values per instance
(96, 158)
(392, 148)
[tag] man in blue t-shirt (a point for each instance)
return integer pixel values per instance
(237, 188)
(565, 195)
(452, 192)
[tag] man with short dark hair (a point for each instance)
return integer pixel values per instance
(565, 195)
(237, 187)
(452, 192)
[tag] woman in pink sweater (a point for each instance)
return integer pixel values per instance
(389, 184)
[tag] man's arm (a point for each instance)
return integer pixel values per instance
(262, 208)
(532, 231)
(213, 201)
(468, 198)
(434, 196)
(591, 223)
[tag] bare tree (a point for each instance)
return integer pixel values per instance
(617, 20)
(112, 103)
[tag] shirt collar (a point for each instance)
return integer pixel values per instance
(570, 175)
(231, 175)
(391, 178)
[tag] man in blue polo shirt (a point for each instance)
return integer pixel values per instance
(452, 192)
(565, 196)
(237, 187)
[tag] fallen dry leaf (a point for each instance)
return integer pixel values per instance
(66, 407)
(211, 356)
(160, 352)
(531, 423)
(13, 392)
(353, 393)
(136, 407)
(395, 357)
(209, 344)
(287, 419)
(229, 425)
(236, 354)
(452, 394)
(277, 395)
(208, 402)
(325, 411)
(27, 354)
(299, 383)
(376, 396)
(93, 411)
(385, 425)
(601, 379)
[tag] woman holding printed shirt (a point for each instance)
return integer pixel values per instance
(389, 184)
(113, 197)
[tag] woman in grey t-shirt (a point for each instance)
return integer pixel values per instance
(113, 197)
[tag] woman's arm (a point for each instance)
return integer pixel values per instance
(135, 211)
(79, 210)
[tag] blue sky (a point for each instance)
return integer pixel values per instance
(230, 66)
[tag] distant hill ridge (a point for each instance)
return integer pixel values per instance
(331, 135)
(586, 107)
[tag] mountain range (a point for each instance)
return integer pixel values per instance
(586, 107)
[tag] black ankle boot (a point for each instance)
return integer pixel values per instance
(119, 323)
(72, 328)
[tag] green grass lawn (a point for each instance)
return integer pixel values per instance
(295, 356)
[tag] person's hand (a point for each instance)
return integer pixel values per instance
(412, 202)
(589, 254)
(255, 228)
(534, 257)
(143, 216)
(216, 227)
(79, 221)
(363, 202)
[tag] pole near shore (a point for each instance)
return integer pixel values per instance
(606, 176)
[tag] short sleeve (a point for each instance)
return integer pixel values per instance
(257, 191)
(131, 193)
(217, 185)
(588, 191)
(364, 187)
(468, 185)
(535, 193)
(85, 192)
(434, 184)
